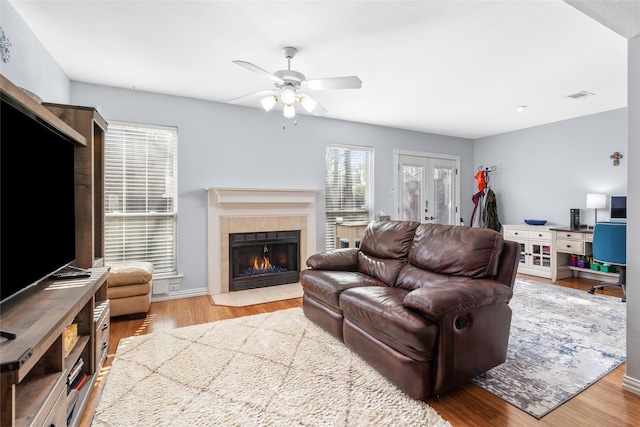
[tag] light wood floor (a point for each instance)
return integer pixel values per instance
(602, 404)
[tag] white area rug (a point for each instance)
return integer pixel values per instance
(562, 341)
(274, 369)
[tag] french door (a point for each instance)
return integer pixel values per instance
(427, 187)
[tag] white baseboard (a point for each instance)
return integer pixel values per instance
(631, 385)
(179, 294)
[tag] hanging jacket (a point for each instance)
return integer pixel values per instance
(490, 213)
(476, 216)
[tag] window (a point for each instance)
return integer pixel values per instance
(141, 204)
(348, 185)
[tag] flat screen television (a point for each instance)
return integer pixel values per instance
(37, 202)
(618, 209)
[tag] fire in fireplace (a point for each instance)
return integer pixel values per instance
(263, 259)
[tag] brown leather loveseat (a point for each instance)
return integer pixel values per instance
(424, 304)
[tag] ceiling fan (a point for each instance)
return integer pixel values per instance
(292, 87)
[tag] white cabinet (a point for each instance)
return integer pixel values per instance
(535, 248)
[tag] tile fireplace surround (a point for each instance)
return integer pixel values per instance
(245, 210)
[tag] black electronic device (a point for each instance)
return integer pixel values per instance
(618, 209)
(37, 196)
(574, 220)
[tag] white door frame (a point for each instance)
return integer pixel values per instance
(397, 202)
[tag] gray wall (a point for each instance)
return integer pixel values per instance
(544, 171)
(30, 65)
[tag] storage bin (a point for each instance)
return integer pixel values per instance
(595, 267)
(608, 268)
(582, 264)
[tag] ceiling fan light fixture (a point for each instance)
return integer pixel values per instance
(288, 96)
(289, 111)
(308, 103)
(269, 102)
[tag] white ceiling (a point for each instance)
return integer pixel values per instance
(447, 67)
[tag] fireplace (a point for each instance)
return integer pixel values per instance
(255, 210)
(263, 259)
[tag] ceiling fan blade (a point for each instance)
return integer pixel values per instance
(348, 82)
(249, 66)
(252, 96)
(311, 105)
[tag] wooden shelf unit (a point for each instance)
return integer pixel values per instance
(33, 367)
(89, 164)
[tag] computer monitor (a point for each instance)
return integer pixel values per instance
(618, 209)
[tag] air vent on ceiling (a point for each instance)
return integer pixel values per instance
(580, 95)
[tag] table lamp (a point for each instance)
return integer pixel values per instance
(596, 201)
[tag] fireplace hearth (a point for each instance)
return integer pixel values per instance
(260, 259)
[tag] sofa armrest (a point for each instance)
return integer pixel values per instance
(345, 259)
(474, 320)
(448, 298)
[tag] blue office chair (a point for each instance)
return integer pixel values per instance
(610, 247)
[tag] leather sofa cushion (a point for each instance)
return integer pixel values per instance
(325, 286)
(130, 273)
(412, 277)
(380, 312)
(456, 250)
(384, 248)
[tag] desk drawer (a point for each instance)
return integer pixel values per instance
(515, 234)
(569, 246)
(568, 235)
(541, 235)
(102, 325)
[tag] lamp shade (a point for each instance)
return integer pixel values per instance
(596, 201)
(268, 102)
(289, 111)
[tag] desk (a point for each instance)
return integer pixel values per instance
(567, 241)
(350, 231)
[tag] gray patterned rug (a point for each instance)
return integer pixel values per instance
(562, 341)
(273, 369)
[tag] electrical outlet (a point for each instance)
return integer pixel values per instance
(174, 287)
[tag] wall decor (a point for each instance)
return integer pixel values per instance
(616, 156)
(5, 44)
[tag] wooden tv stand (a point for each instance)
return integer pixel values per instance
(33, 366)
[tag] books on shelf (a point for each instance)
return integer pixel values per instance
(75, 371)
(78, 382)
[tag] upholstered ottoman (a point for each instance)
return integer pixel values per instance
(129, 288)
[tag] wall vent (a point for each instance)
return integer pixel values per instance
(580, 95)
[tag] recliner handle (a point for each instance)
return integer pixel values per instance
(461, 322)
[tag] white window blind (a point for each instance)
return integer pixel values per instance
(348, 185)
(141, 203)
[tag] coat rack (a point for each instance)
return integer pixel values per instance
(486, 171)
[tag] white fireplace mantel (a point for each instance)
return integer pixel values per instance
(244, 196)
(260, 207)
